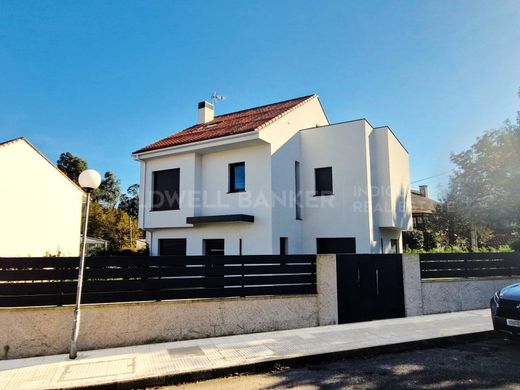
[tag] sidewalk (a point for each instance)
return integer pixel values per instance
(157, 363)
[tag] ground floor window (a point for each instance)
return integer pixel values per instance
(283, 245)
(213, 247)
(394, 245)
(336, 245)
(172, 247)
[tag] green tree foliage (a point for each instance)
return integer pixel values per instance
(485, 185)
(129, 202)
(71, 165)
(117, 225)
(113, 225)
(108, 192)
(414, 239)
(515, 245)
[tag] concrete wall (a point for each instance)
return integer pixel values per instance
(430, 297)
(40, 208)
(46, 330)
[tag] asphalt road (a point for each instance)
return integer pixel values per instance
(490, 364)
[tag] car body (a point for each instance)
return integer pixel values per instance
(505, 310)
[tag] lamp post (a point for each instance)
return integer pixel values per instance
(89, 180)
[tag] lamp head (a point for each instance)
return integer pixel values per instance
(89, 179)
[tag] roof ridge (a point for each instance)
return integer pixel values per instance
(303, 98)
(9, 141)
(283, 113)
(43, 156)
(249, 119)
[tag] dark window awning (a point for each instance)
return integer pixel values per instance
(221, 218)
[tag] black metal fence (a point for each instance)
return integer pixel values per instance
(469, 265)
(53, 281)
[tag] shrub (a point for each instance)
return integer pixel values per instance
(515, 245)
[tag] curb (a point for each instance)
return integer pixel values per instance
(258, 367)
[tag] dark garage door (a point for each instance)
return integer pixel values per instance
(336, 245)
(172, 247)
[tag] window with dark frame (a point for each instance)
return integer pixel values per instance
(172, 247)
(283, 245)
(237, 177)
(213, 247)
(165, 189)
(297, 190)
(323, 181)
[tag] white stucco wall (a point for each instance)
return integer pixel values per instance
(40, 209)
(391, 180)
(347, 213)
(210, 197)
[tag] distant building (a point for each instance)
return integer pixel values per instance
(275, 179)
(422, 207)
(40, 207)
(95, 244)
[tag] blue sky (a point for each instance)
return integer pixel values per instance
(103, 78)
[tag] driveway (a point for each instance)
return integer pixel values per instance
(490, 364)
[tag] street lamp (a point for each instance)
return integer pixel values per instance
(89, 180)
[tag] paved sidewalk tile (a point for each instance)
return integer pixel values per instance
(156, 360)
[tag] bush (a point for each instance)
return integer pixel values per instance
(124, 252)
(413, 240)
(515, 245)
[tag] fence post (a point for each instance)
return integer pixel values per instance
(326, 283)
(412, 284)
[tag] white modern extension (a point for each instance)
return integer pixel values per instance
(276, 179)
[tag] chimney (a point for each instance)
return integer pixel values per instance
(423, 191)
(206, 113)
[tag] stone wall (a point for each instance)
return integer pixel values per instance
(431, 297)
(34, 331)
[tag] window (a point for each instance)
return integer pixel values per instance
(213, 247)
(336, 245)
(323, 178)
(237, 177)
(394, 245)
(283, 245)
(297, 190)
(172, 247)
(165, 190)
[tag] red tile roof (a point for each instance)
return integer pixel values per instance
(229, 124)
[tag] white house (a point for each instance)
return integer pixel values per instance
(275, 179)
(40, 207)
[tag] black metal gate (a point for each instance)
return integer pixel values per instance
(370, 287)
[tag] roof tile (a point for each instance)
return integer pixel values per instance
(229, 124)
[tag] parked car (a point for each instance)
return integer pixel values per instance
(505, 310)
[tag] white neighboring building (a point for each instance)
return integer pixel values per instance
(40, 207)
(272, 180)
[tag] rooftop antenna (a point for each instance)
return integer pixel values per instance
(216, 97)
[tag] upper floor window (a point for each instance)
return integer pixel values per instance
(297, 190)
(323, 180)
(237, 177)
(165, 190)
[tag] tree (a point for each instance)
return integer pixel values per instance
(113, 225)
(71, 165)
(129, 202)
(485, 185)
(108, 192)
(116, 225)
